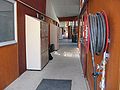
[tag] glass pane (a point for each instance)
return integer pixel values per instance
(6, 21)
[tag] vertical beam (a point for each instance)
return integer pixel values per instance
(69, 32)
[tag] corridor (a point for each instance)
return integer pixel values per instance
(65, 65)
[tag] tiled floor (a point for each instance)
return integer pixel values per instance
(65, 65)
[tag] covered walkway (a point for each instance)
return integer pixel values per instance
(65, 65)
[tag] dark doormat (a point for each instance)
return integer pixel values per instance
(54, 84)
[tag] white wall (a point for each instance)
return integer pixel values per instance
(62, 24)
(50, 11)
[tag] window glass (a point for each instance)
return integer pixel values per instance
(7, 30)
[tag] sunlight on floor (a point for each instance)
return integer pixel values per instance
(67, 54)
(65, 66)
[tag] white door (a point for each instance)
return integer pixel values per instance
(33, 50)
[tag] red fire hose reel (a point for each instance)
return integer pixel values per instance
(107, 30)
(96, 37)
(86, 33)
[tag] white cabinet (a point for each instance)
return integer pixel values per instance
(60, 33)
(36, 44)
(54, 36)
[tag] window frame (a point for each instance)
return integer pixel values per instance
(5, 43)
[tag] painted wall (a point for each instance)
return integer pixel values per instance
(32, 3)
(13, 57)
(37, 4)
(8, 65)
(42, 6)
(9, 53)
(22, 10)
(112, 74)
(50, 12)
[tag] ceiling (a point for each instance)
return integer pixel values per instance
(66, 8)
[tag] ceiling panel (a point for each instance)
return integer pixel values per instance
(65, 8)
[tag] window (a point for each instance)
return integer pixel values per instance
(8, 34)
